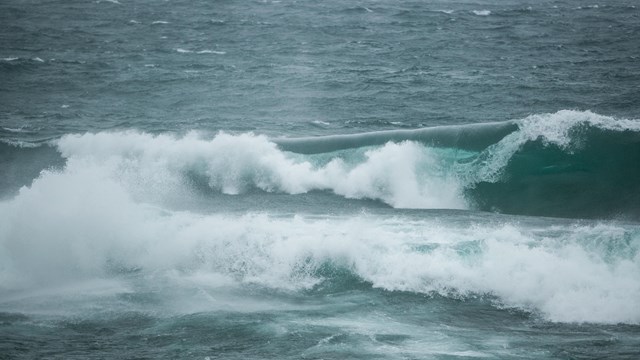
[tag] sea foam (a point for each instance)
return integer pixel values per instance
(406, 175)
(91, 228)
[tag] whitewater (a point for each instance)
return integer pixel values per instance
(301, 180)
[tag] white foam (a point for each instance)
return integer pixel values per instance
(320, 122)
(10, 59)
(587, 7)
(185, 51)
(426, 339)
(80, 224)
(212, 52)
(405, 175)
(482, 12)
(159, 22)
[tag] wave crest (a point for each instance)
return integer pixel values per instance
(405, 174)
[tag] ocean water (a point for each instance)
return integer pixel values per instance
(319, 179)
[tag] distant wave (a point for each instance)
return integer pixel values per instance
(482, 12)
(406, 175)
(11, 64)
(185, 51)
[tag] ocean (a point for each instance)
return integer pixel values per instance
(374, 179)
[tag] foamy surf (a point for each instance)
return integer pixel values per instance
(568, 273)
(403, 175)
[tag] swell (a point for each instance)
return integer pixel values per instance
(466, 137)
(568, 164)
(573, 164)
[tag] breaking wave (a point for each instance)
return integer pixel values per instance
(574, 273)
(568, 164)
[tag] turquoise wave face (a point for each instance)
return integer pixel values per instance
(595, 177)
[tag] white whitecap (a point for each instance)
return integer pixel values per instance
(404, 175)
(482, 12)
(16, 130)
(212, 52)
(320, 122)
(88, 222)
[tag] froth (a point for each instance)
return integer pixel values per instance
(405, 175)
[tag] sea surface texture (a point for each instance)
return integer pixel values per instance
(319, 179)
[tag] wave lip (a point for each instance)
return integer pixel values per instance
(466, 137)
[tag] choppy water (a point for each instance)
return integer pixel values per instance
(298, 179)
